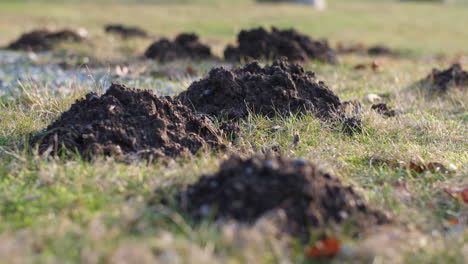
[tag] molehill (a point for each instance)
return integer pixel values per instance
(259, 43)
(444, 80)
(247, 189)
(44, 40)
(185, 46)
(278, 88)
(126, 123)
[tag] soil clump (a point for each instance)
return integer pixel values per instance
(280, 88)
(44, 40)
(127, 122)
(384, 110)
(247, 189)
(185, 46)
(261, 44)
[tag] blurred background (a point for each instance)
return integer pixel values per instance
(418, 27)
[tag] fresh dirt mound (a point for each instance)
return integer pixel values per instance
(185, 46)
(125, 122)
(443, 80)
(125, 31)
(280, 88)
(44, 40)
(246, 189)
(259, 43)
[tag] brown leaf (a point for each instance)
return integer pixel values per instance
(326, 248)
(418, 168)
(190, 70)
(360, 67)
(434, 167)
(375, 65)
(458, 193)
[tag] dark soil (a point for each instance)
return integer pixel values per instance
(443, 80)
(384, 110)
(185, 46)
(247, 189)
(259, 43)
(231, 130)
(43, 40)
(126, 31)
(280, 88)
(125, 122)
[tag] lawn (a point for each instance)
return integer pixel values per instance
(73, 211)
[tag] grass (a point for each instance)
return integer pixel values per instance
(64, 211)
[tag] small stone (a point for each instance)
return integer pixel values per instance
(372, 98)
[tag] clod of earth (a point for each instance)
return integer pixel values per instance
(384, 110)
(44, 40)
(126, 31)
(128, 123)
(443, 80)
(185, 46)
(259, 43)
(247, 189)
(280, 88)
(231, 130)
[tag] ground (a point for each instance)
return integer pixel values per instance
(73, 211)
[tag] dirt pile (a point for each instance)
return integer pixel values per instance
(44, 40)
(246, 189)
(126, 31)
(127, 122)
(278, 88)
(259, 43)
(185, 46)
(443, 80)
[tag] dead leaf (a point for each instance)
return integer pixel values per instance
(458, 193)
(327, 248)
(418, 168)
(191, 71)
(437, 167)
(453, 221)
(434, 167)
(360, 67)
(375, 65)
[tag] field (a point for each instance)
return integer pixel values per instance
(59, 210)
